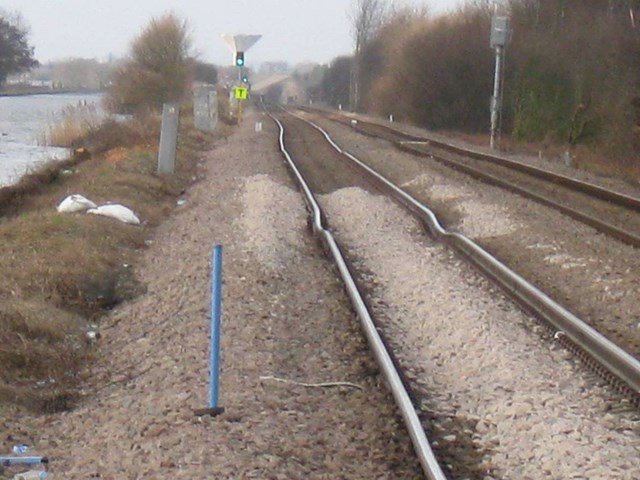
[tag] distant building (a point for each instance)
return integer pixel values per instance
(274, 67)
(27, 80)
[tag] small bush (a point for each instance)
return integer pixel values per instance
(158, 71)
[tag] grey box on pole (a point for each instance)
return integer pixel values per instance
(500, 32)
(205, 108)
(168, 138)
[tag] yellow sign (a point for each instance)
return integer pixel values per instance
(242, 93)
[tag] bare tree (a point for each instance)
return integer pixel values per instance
(366, 16)
(158, 69)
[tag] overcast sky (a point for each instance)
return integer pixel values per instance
(293, 30)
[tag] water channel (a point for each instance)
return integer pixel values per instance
(23, 122)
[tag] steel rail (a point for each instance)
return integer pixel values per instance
(615, 360)
(421, 445)
(605, 227)
(602, 193)
(412, 145)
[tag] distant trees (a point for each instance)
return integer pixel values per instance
(336, 81)
(80, 74)
(572, 75)
(16, 55)
(158, 70)
(366, 18)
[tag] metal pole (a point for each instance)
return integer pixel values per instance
(214, 354)
(496, 100)
(216, 301)
(11, 461)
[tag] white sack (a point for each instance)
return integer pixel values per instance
(75, 203)
(119, 212)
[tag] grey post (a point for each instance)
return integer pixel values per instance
(168, 138)
(205, 108)
(500, 37)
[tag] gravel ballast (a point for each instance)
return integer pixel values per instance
(288, 331)
(535, 416)
(285, 317)
(591, 274)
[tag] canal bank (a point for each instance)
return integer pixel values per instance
(24, 122)
(61, 272)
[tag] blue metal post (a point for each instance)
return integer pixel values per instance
(10, 461)
(216, 301)
(214, 359)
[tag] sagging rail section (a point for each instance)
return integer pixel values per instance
(619, 366)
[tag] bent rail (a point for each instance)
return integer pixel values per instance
(419, 439)
(618, 362)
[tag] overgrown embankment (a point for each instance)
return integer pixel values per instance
(62, 272)
(571, 79)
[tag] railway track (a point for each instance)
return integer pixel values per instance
(616, 365)
(384, 358)
(593, 274)
(610, 212)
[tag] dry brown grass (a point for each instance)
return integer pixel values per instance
(75, 122)
(61, 272)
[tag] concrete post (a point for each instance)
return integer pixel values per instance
(168, 138)
(205, 108)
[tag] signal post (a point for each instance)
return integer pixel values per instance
(239, 44)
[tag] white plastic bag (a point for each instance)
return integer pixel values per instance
(119, 212)
(75, 203)
(31, 475)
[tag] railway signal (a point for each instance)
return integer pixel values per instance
(239, 44)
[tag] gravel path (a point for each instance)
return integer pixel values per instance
(285, 316)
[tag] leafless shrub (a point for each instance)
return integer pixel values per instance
(158, 70)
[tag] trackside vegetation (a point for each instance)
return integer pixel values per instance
(571, 81)
(158, 70)
(62, 272)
